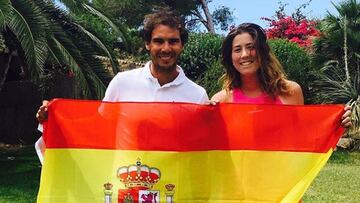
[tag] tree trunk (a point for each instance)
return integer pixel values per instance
(6, 66)
(209, 20)
(346, 51)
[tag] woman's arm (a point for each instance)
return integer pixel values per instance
(221, 97)
(294, 96)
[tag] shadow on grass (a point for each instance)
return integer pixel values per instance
(345, 157)
(19, 174)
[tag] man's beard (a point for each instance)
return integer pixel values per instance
(165, 69)
(168, 68)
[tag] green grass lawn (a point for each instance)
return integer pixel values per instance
(339, 180)
(19, 174)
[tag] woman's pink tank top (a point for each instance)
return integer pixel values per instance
(240, 97)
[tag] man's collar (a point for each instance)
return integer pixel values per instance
(177, 81)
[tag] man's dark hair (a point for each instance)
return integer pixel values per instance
(164, 17)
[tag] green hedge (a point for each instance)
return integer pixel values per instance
(295, 61)
(211, 79)
(201, 51)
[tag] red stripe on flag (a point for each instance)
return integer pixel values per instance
(192, 127)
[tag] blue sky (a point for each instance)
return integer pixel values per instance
(253, 10)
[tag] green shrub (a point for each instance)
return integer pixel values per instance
(201, 51)
(211, 79)
(295, 61)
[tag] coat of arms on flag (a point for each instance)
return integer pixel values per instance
(139, 181)
(179, 152)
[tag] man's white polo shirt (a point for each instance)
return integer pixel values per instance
(140, 85)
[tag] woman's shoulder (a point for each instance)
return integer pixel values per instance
(293, 86)
(221, 96)
(294, 95)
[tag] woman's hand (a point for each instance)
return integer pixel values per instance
(346, 118)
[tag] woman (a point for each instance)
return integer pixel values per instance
(252, 72)
(254, 75)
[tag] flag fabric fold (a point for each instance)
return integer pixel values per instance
(181, 152)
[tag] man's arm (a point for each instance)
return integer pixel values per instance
(204, 99)
(40, 148)
(42, 113)
(41, 116)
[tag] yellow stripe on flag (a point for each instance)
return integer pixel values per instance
(78, 175)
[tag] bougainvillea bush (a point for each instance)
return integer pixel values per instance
(294, 28)
(302, 32)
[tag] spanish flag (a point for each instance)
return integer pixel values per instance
(181, 152)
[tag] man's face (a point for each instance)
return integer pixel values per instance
(165, 46)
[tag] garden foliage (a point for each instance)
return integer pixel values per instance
(295, 61)
(211, 80)
(200, 52)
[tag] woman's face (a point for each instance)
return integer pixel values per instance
(244, 56)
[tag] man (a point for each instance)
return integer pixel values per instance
(161, 79)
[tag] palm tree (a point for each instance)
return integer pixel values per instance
(330, 44)
(338, 81)
(42, 34)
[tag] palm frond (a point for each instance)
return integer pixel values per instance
(102, 17)
(97, 76)
(76, 50)
(102, 46)
(331, 85)
(5, 9)
(354, 39)
(67, 57)
(30, 26)
(357, 55)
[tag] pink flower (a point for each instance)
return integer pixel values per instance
(70, 74)
(288, 28)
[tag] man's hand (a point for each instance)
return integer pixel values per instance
(42, 113)
(346, 118)
(212, 103)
